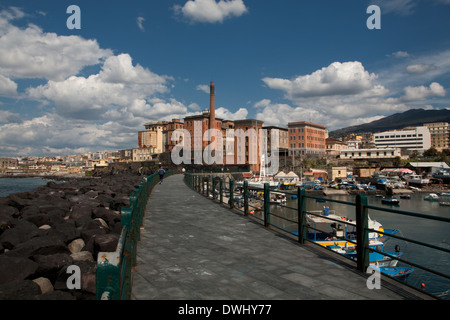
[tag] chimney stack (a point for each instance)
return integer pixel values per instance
(212, 111)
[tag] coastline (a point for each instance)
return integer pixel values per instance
(45, 230)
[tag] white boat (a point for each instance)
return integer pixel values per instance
(432, 197)
(277, 197)
(258, 184)
(417, 179)
(322, 222)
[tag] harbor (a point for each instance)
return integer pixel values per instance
(284, 217)
(206, 251)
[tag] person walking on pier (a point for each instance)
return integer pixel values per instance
(161, 173)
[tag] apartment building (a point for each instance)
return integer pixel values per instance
(175, 124)
(154, 136)
(6, 163)
(334, 146)
(247, 149)
(440, 135)
(283, 139)
(307, 138)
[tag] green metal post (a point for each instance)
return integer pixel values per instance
(231, 194)
(246, 197)
(221, 190)
(266, 205)
(207, 186)
(301, 209)
(362, 234)
(214, 188)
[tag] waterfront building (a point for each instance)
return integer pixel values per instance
(417, 138)
(143, 154)
(153, 136)
(334, 146)
(363, 154)
(337, 172)
(307, 138)
(247, 148)
(283, 140)
(173, 125)
(8, 163)
(440, 135)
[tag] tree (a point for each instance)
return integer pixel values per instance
(431, 153)
(414, 155)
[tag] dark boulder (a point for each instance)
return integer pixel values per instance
(19, 290)
(44, 245)
(9, 211)
(50, 265)
(106, 242)
(21, 231)
(16, 268)
(87, 234)
(108, 215)
(80, 211)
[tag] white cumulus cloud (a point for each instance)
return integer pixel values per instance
(32, 53)
(119, 83)
(211, 11)
(338, 78)
(422, 92)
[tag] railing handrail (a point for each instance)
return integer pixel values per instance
(114, 268)
(361, 211)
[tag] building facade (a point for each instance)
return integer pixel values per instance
(363, 154)
(247, 148)
(440, 135)
(307, 138)
(283, 140)
(334, 146)
(6, 163)
(417, 138)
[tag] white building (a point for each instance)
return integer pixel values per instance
(378, 153)
(417, 138)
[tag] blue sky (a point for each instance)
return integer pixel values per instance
(68, 91)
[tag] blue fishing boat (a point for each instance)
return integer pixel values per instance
(375, 257)
(400, 273)
(390, 201)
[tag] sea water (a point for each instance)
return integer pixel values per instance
(432, 232)
(16, 185)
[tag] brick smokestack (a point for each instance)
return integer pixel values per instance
(212, 110)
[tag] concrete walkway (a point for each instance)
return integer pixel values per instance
(192, 248)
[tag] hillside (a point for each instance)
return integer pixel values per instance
(414, 117)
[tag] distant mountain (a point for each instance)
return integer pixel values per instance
(414, 117)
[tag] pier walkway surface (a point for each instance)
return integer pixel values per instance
(192, 248)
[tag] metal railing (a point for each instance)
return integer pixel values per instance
(114, 269)
(216, 188)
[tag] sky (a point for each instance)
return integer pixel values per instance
(66, 91)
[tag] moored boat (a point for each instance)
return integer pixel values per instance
(390, 201)
(326, 225)
(432, 197)
(400, 273)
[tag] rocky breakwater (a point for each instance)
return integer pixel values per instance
(46, 230)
